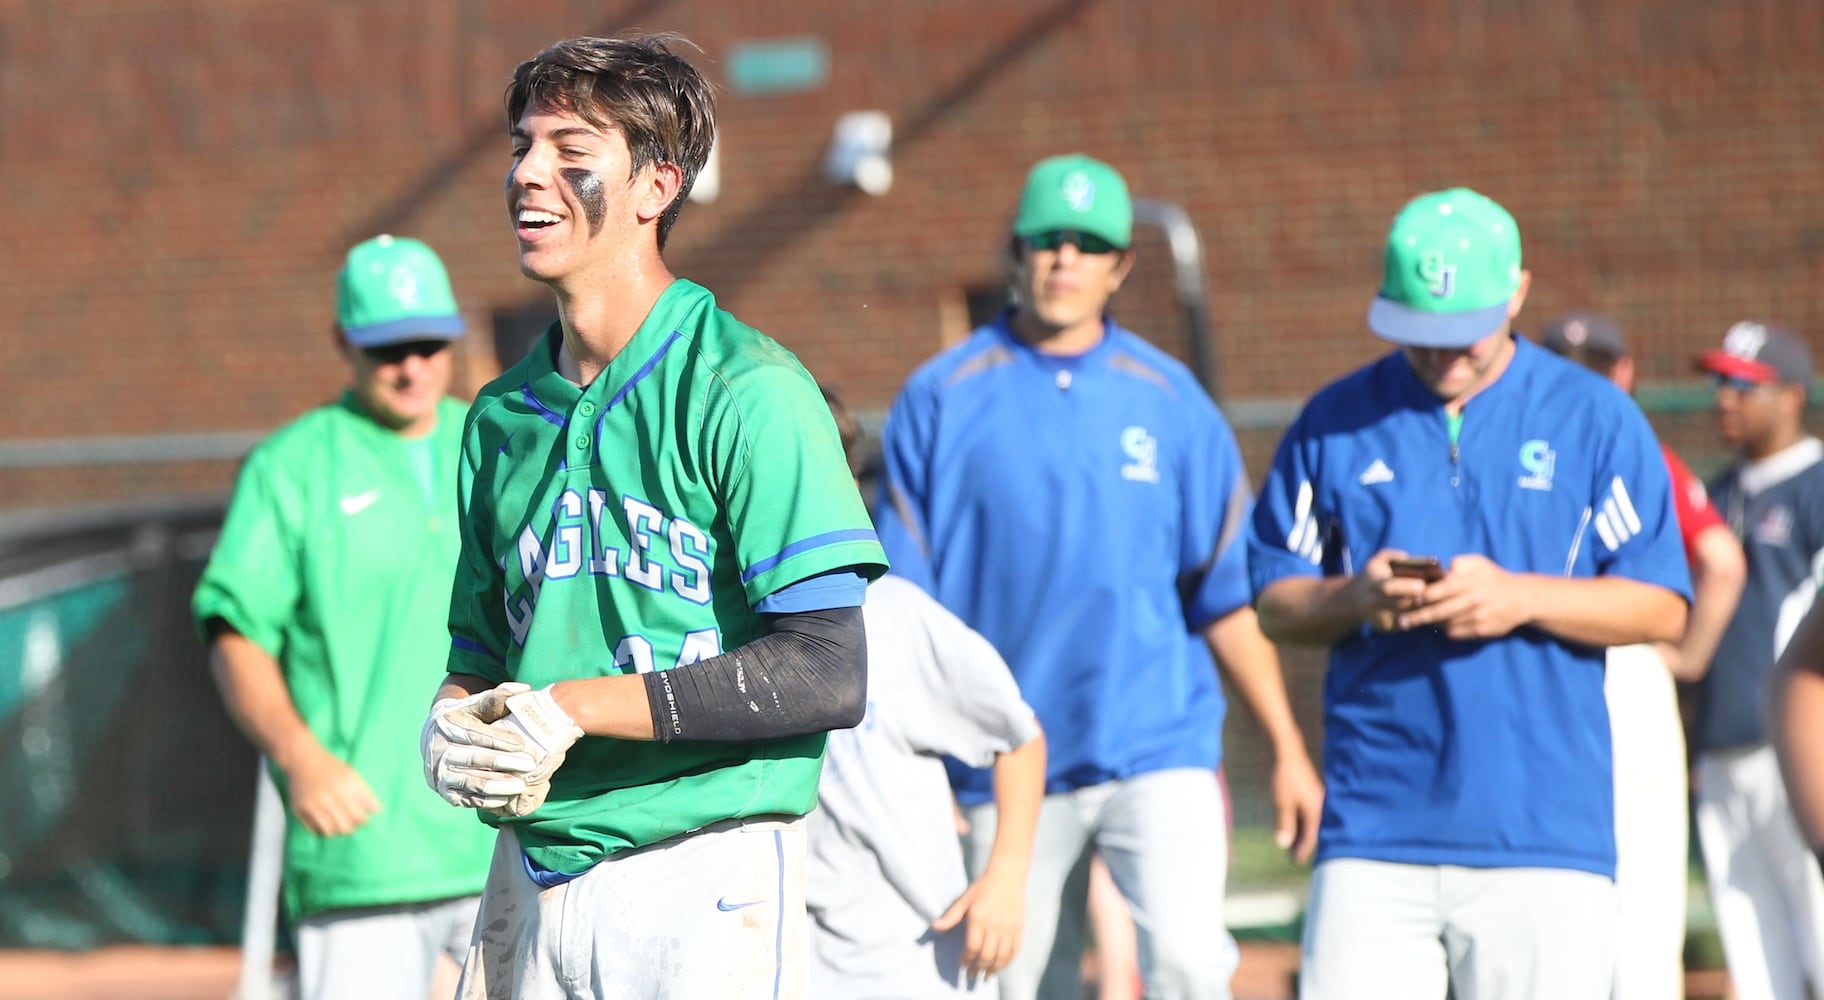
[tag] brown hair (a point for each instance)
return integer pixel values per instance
(637, 86)
(847, 427)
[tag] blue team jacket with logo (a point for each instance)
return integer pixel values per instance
(1085, 514)
(1487, 753)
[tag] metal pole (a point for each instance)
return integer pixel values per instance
(259, 925)
(1187, 278)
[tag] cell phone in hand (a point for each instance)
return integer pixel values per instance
(1425, 568)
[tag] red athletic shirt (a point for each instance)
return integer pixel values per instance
(1695, 514)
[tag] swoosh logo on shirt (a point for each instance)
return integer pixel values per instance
(727, 907)
(359, 502)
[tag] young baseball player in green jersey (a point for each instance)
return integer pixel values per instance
(324, 606)
(660, 538)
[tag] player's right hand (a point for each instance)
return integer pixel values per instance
(329, 797)
(994, 911)
(1380, 597)
(470, 761)
(1476, 599)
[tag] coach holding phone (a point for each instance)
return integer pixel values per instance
(1467, 842)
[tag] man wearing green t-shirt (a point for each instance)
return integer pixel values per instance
(324, 605)
(661, 538)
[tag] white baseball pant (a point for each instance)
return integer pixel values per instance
(1376, 930)
(1164, 836)
(1652, 848)
(1764, 883)
(381, 952)
(716, 913)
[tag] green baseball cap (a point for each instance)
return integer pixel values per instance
(394, 289)
(1452, 265)
(1076, 193)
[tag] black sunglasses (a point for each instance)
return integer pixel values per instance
(1720, 381)
(1082, 241)
(392, 354)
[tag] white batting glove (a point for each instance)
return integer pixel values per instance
(535, 718)
(469, 761)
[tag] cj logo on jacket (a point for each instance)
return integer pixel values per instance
(1538, 459)
(1143, 455)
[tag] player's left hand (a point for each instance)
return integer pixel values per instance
(1298, 804)
(547, 732)
(1476, 600)
(995, 908)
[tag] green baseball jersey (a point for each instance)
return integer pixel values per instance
(332, 561)
(632, 525)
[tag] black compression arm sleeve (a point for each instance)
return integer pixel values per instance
(807, 674)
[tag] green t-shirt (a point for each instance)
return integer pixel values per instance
(422, 455)
(331, 560)
(631, 526)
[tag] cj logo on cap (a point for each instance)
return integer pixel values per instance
(403, 284)
(1745, 340)
(1440, 278)
(1079, 191)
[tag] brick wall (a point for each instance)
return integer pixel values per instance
(182, 178)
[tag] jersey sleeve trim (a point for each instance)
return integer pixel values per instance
(1616, 519)
(470, 657)
(842, 588)
(467, 645)
(805, 545)
(217, 604)
(1306, 539)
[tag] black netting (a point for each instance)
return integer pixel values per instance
(126, 795)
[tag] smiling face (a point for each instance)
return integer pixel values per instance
(659, 106)
(400, 385)
(572, 196)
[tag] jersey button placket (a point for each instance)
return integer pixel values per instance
(582, 440)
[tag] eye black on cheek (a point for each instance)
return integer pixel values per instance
(587, 186)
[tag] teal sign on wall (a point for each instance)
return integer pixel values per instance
(778, 65)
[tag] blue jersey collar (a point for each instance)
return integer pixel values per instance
(1518, 367)
(1003, 328)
